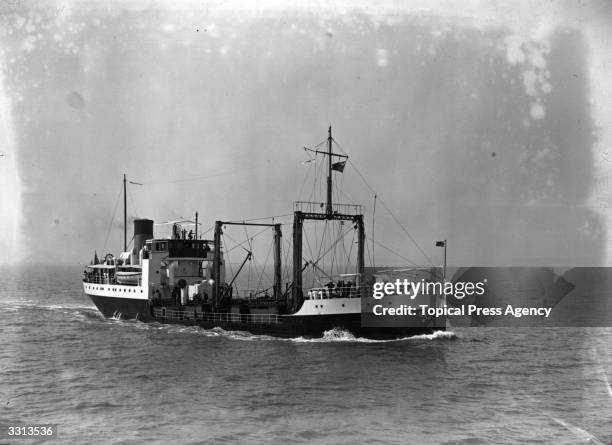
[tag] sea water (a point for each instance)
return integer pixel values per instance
(116, 381)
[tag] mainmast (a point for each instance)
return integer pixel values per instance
(329, 173)
(124, 215)
(331, 166)
(308, 211)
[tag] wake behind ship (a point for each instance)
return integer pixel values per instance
(180, 277)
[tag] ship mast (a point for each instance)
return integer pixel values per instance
(331, 166)
(124, 215)
(306, 211)
(329, 173)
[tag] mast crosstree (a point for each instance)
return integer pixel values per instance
(339, 166)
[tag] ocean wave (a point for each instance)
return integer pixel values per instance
(89, 314)
(437, 335)
(332, 336)
(335, 335)
(195, 330)
(341, 335)
(19, 305)
(96, 406)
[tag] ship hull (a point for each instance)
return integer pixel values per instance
(291, 326)
(288, 326)
(313, 326)
(119, 306)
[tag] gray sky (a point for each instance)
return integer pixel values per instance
(482, 125)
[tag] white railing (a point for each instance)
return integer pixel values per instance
(320, 207)
(323, 293)
(192, 313)
(106, 280)
(98, 280)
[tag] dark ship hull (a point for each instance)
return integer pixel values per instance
(283, 326)
(313, 326)
(119, 307)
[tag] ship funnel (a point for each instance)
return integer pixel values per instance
(143, 230)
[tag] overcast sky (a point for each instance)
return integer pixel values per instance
(485, 124)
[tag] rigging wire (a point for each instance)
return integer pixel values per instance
(334, 244)
(262, 219)
(307, 162)
(228, 261)
(350, 251)
(253, 270)
(132, 201)
(246, 233)
(348, 258)
(367, 248)
(373, 219)
(395, 218)
(396, 253)
(286, 262)
(253, 263)
(312, 256)
(204, 233)
(263, 270)
(199, 178)
(322, 239)
(110, 226)
(385, 206)
(237, 244)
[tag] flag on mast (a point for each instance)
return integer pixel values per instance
(339, 166)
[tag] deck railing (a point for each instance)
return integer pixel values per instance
(106, 280)
(318, 207)
(192, 313)
(98, 280)
(324, 293)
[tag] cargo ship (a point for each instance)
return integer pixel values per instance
(180, 277)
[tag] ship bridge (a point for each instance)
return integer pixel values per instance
(182, 248)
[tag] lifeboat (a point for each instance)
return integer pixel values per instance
(130, 275)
